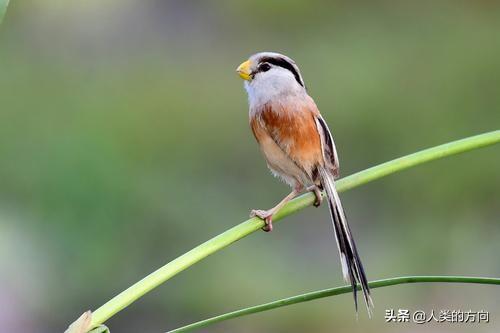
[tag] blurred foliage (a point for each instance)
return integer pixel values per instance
(3, 8)
(111, 111)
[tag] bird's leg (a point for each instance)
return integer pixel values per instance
(267, 215)
(317, 192)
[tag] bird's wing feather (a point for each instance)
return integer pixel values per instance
(328, 145)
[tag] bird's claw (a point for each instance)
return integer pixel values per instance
(266, 216)
(318, 201)
(317, 194)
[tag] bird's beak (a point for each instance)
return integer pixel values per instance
(244, 70)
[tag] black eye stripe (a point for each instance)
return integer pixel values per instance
(283, 64)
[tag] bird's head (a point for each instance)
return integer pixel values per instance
(267, 74)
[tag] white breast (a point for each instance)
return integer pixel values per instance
(272, 85)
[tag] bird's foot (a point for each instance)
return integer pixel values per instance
(266, 215)
(317, 194)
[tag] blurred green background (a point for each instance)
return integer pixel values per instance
(124, 142)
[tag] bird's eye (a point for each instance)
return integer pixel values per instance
(264, 67)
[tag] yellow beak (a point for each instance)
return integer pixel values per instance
(244, 70)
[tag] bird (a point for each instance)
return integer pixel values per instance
(299, 149)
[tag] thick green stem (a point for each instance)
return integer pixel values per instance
(331, 292)
(241, 230)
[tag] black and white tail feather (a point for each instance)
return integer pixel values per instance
(352, 269)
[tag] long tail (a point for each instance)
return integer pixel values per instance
(352, 269)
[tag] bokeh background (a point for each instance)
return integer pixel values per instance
(124, 142)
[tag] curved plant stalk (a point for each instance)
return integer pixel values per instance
(3, 8)
(332, 292)
(241, 230)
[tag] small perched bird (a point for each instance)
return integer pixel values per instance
(298, 147)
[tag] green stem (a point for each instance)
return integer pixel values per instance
(241, 230)
(331, 292)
